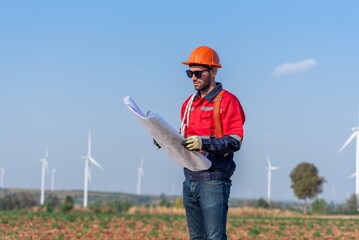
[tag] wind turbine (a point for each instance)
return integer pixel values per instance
(270, 168)
(53, 179)
(44, 167)
(2, 172)
(88, 160)
(355, 134)
(140, 174)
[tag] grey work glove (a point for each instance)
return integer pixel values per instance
(193, 143)
(156, 144)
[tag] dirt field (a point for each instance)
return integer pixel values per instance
(29, 225)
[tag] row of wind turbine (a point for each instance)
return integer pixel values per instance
(44, 168)
(89, 162)
(270, 168)
(354, 135)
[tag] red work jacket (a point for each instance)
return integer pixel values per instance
(201, 119)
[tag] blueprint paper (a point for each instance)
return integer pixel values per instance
(168, 138)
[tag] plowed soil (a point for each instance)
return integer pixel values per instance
(26, 225)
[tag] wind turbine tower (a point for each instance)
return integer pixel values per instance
(53, 179)
(140, 174)
(88, 160)
(270, 168)
(355, 134)
(44, 168)
(2, 173)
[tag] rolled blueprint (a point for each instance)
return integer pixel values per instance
(168, 138)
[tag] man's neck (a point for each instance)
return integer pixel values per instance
(206, 91)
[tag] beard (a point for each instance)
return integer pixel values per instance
(202, 85)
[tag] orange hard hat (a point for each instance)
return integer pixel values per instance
(204, 56)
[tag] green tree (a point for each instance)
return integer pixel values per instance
(261, 203)
(67, 205)
(306, 182)
(122, 206)
(7, 203)
(17, 201)
(24, 200)
(351, 205)
(164, 202)
(320, 206)
(51, 202)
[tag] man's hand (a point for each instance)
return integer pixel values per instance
(193, 143)
(156, 144)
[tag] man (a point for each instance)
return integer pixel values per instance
(206, 193)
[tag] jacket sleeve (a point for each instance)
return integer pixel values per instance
(222, 145)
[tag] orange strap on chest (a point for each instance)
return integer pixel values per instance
(217, 114)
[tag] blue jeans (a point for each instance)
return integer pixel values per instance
(206, 204)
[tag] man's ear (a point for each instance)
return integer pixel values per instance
(214, 72)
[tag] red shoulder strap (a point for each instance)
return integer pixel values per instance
(217, 114)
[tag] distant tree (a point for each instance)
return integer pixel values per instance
(67, 205)
(97, 207)
(51, 202)
(179, 202)
(351, 205)
(17, 201)
(121, 206)
(306, 182)
(164, 202)
(7, 203)
(24, 200)
(320, 206)
(332, 208)
(261, 203)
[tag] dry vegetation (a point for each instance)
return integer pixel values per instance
(239, 211)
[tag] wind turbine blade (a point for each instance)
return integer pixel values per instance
(268, 160)
(274, 168)
(140, 169)
(46, 153)
(44, 160)
(353, 175)
(93, 161)
(352, 136)
(142, 172)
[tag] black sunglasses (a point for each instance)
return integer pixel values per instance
(197, 74)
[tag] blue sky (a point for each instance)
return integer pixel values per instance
(65, 67)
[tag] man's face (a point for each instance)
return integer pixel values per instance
(204, 82)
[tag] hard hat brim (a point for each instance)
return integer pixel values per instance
(210, 65)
